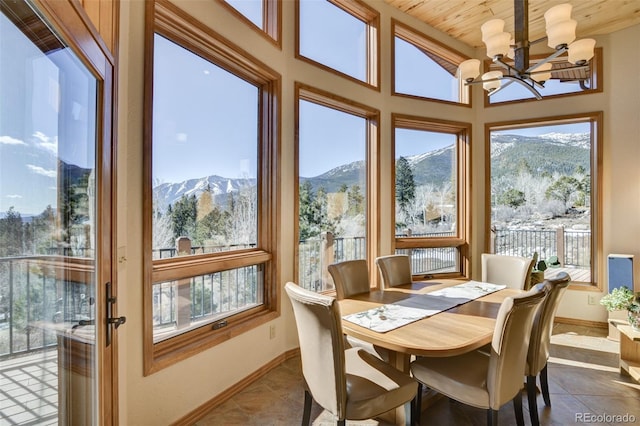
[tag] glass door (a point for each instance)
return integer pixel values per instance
(51, 229)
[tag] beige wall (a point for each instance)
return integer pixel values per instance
(172, 393)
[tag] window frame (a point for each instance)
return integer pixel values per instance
(372, 116)
(463, 173)
(596, 77)
(167, 20)
(434, 47)
(596, 121)
(271, 28)
(371, 18)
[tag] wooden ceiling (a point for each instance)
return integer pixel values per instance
(462, 19)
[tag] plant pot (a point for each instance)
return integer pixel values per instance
(634, 320)
(616, 317)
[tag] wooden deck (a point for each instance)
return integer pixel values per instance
(29, 389)
(578, 275)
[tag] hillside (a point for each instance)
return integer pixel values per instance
(509, 153)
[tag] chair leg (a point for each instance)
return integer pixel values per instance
(544, 385)
(517, 407)
(532, 397)
(492, 417)
(417, 406)
(306, 416)
(342, 422)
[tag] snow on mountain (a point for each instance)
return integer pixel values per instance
(417, 158)
(169, 193)
(504, 141)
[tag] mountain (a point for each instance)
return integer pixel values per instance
(568, 151)
(169, 193)
(508, 154)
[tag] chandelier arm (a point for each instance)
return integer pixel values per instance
(502, 86)
(530, 87)
(554, 55)
(498, 60)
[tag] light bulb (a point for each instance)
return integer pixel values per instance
(581, 51)
(469, 69)
(495, 82)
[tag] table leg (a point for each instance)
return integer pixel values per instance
(401, 362)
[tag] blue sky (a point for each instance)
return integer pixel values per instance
(31, 138)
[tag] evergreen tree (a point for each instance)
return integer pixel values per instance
(405, 185)
(11, 234)
(183, 216)
(512, 198)
(563, 189)
(43, 231)
(355, 200)
(308, 212)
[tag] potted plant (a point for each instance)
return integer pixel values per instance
(624, 299)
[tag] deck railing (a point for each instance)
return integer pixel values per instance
(40, 290)
(570, 247)
(53, 288)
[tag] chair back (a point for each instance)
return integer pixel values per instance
(509, 345)
(350, 277)
(543, 324)
(395, 270)
(321, 347)
(512, 271)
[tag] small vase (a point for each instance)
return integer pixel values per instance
(634, 320)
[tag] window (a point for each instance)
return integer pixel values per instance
(264, 15)
(574, 82)
(210, 184)
(341, 35)
(335, 139)
(430, 184)
(425, 68)
(543, 192)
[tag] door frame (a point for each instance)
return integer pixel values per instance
(72, 22)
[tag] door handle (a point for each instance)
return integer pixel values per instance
(112, 322)
(117, 322)
(82, 323)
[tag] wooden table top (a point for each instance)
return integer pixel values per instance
(453, 332)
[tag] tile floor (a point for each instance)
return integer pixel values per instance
(584, 382)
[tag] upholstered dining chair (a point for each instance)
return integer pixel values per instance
(351, 277)
(512, 271)
(487, 380)
(540, 341)
(350, 383)
(395, 269)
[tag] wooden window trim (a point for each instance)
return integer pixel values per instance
(166, 19)
(432, 47)
(463, 151)
(372, 157)
(271, 28)
(596, 120)
(371, 18)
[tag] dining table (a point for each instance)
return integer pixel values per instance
(462, 328)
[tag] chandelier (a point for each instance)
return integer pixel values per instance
(561, 36)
